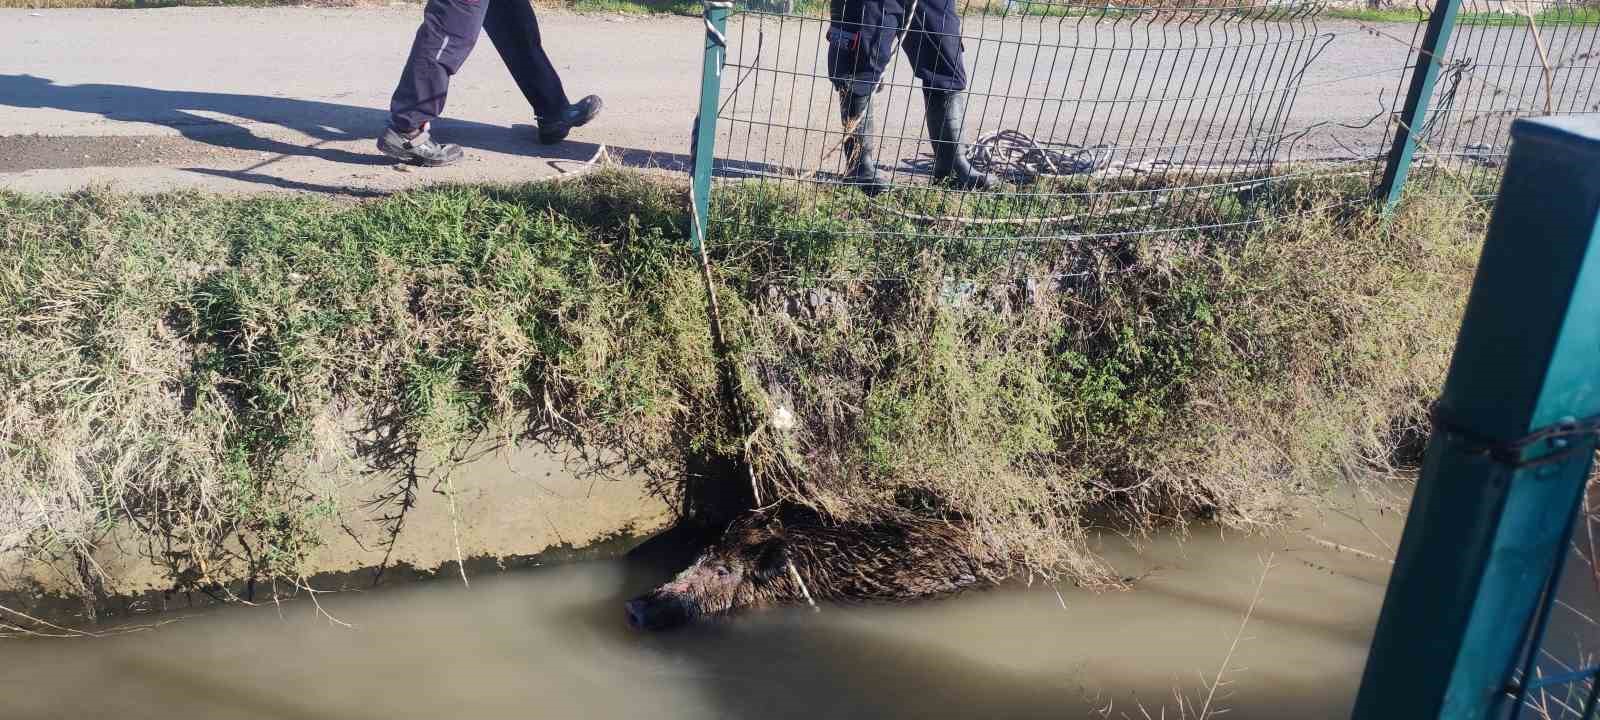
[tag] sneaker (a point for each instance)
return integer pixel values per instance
(419, 150)
(578, 114)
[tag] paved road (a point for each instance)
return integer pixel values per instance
(291, 98)
(242, 100)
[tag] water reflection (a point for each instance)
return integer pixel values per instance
(552, 644)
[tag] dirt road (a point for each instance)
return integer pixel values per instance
(245, 100)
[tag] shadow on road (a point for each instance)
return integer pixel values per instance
(224, 119)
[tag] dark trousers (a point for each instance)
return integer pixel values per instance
(861, 37)
(449, 30)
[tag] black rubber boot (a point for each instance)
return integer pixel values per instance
(855, 111)
(944, 129)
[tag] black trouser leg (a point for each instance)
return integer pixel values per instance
(862, 32)
(933, 45)
(860, 36)
(514, 30)
(449, 30)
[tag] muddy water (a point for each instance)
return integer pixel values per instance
(551, 643)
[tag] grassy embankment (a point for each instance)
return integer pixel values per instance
(178, 363)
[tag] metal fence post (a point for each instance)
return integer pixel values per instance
(1429, 57)
(1513, 441)
(702, 147)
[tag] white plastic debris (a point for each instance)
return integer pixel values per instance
(782, 419)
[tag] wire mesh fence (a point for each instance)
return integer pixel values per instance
(985, 131)
(1075, 119)
(1080, 120)
(1505, 59)
(890, 128)
(1554, 674)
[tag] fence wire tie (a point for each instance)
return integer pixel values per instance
(1567, 437)
(712, 33)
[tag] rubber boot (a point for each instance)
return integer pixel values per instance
(944, 129)
(855, 111)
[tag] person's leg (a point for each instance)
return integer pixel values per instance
(933, 46)
(514, 30)
(860, 39)
(449, 30)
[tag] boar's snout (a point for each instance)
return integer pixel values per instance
(658, 610)
(636, 614)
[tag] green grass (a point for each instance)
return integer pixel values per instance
(1588, 15)
(1378, 15)
(1582, 15)
(635, 7)
(180, 363)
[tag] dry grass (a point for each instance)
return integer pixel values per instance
(190, 367)
(1213, 375)
(1217, 690)
(1574, 605)
(193, 368)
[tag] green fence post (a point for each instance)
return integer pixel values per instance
(1415, 112)
(1488, 520)
(702, 147)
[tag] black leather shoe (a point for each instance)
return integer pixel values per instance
(578, 114)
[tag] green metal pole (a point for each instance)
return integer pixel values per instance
(1434, 44)
(1486, 529)
(703, 145)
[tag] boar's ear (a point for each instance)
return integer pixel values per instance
(772, 559)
